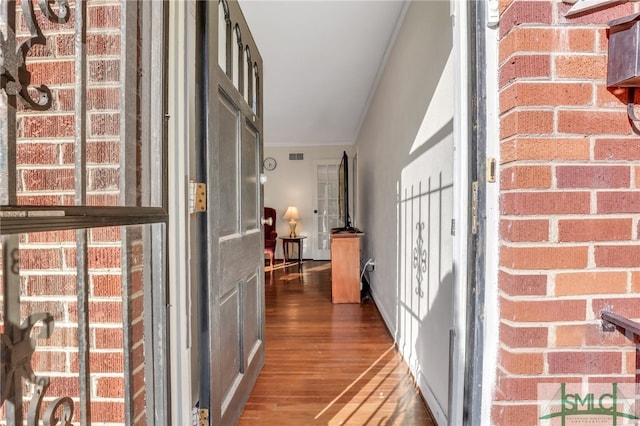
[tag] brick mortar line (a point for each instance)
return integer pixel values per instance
(571, 190)
(44, 60)
(568, 244)
(559, 108)
(529, 272)
(66, 166)
(583, 349)
(554, 163)
(67, 192)
(571, 216)
(59, 113)
(573, 297)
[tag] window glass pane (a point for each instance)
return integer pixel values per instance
(246, 75)
(322, 189)
(322, 206)
(322, 173)
(117, 348)
(332, 171)
(222, 37)
(235, 51)
(332, 190)
(95, 128)
(323, 242)
(106, 78)
(333, 208)
(254, 104)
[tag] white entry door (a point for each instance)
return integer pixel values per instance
(327, 213)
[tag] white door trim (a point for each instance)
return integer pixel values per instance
(492, 223)
(181, 75)
(461, 126)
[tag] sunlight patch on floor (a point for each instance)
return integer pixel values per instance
(367, 391)
(296, 275)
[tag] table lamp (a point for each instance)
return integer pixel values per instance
(292, 215)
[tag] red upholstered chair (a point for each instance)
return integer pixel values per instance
(270, 234)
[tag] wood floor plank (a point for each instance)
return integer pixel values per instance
(328, 364)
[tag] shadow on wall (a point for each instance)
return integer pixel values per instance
(425, 267)
(433, 345)
(405, 149)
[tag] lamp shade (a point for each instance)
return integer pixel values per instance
(291, 213)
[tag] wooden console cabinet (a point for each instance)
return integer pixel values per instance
(345, 268)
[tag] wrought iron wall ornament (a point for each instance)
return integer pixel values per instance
(15, 79)
(420, 259)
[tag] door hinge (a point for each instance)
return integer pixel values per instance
(474, 208)
(453, 227)
(203, 418)
(197, 197)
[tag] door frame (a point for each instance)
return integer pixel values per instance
(475, 130)
(483, 286)
(184, 93)
(181, 141)
(463, 248)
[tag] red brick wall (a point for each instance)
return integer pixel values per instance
(569, 203)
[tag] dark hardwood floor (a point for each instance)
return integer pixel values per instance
(328, 364)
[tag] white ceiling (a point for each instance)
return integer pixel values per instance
(321, 60)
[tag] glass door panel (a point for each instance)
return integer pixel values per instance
(327, 213)
(82, 145)
(83, 325)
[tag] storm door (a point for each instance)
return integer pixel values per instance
(82, 213)
(229, 234)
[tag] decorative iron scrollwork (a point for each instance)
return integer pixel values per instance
(15, 261)
(50, 418)
(15, 361)
(16, 356)
(15, 79)
(420, 259)
(50, 415)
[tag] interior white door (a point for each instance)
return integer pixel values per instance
(327, 213)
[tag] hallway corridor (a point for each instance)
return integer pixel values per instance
(328, 364)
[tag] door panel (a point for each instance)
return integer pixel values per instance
(250, 194)
(251, 316)
(227, 153)
(230, 267)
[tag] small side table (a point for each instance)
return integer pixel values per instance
(286, 243)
